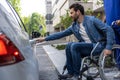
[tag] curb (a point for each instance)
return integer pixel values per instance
(57, 57)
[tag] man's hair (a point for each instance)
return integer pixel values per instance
(76, 7)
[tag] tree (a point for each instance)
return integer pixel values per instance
(36, 21)
(16, 5)
(26, 21)
(65, 20)
(99, 2)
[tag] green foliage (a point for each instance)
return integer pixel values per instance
(57, 25)
(66, 20)
(26, 21)
(33, 23)
(59, 47)
(16, 5)
(85, 1)
(89, 11)
(98, 15)
(99, 2)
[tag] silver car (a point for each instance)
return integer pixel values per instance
(17, 59)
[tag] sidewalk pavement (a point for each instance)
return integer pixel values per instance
(56, 56)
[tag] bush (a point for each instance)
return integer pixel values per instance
(59, 47)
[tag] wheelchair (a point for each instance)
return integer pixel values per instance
(98, 67)
(108, 66)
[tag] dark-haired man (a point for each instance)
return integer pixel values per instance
(88, 30)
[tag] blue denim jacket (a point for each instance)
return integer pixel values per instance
(95, 29)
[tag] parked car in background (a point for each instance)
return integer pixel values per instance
(17, 59)
(35, 34)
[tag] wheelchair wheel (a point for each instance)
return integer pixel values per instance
(90, 69)
(107, 66)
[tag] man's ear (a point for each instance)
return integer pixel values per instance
(78, 12)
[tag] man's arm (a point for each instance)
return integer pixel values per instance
(108, 31)
(40, 39)
(57, 35)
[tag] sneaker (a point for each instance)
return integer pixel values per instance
(65, 76)
(117, 75)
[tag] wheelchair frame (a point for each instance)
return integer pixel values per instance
(97, 62)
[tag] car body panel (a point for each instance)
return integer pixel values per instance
(27, 69)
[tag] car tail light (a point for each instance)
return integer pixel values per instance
(9, 53)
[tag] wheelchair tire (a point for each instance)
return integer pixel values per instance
(107, 66)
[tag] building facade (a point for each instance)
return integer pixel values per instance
(59, 8)
(48, 17)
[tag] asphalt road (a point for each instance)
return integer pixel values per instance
(46, 68)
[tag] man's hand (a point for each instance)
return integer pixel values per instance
(107, 52)
(40, 40)
(118, 22)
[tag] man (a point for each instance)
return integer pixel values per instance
(88, 30)
(112, 13)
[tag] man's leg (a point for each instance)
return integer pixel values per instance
(69, 61)
(77, 50)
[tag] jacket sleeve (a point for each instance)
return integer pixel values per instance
(59, 35)
(108, 32)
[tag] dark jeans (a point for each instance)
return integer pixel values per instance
(74, 52)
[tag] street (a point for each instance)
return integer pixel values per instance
(46, 68)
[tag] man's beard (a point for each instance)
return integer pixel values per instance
(76, 18)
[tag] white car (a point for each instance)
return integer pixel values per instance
(17, 59)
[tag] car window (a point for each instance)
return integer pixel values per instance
(12, 12)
